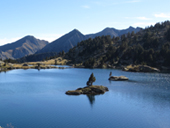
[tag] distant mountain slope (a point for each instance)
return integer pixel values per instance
(25, 46)
(65, 43)
(37, 57)
(114, 32)
(68, 41)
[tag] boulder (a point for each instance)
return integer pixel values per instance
(118, 78)
(94, 90)
(25, 64)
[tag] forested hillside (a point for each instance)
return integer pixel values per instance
(37, 57)
(149, 46)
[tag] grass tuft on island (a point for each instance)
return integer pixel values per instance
(94, 90)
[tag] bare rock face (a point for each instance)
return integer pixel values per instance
(94, 90)
(118, 78)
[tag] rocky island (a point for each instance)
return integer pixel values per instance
(118, 78)
(93, 90)
(89, 89)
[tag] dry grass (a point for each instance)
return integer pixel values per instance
(132, 66)
(60, 61)
(20, 66)
(33, 65)
(17, 65)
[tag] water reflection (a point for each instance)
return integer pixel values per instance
(91, 99)
(8, 126)
(144, 94)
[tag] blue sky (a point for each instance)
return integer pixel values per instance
(50, 19)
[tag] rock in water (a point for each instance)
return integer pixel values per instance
(118, 78)
(94, 89)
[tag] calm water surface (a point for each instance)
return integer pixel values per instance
(36, 99)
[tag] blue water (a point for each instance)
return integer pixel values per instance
(66, 66)
(36, 99)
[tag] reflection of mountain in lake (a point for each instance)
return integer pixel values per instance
(91, 99)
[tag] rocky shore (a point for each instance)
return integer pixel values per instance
(43, 65)
(140, 68)
(10, 66)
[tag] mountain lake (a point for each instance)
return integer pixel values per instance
(37, 99)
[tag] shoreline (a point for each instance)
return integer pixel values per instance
(52, 66)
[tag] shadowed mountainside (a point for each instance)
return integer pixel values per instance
(64, 43)
(25, 46)
(68, 41)
(30, 45)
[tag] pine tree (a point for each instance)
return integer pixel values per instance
(167, 34)
(91, 80)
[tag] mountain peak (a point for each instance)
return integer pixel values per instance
(75, 31)
(29, 37)
(108, 29)
(130, 27)
(65, 42)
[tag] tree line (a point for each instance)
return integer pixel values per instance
(149, 46)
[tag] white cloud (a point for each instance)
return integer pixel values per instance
(86, 6)
(143, 18)
(162, 15)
